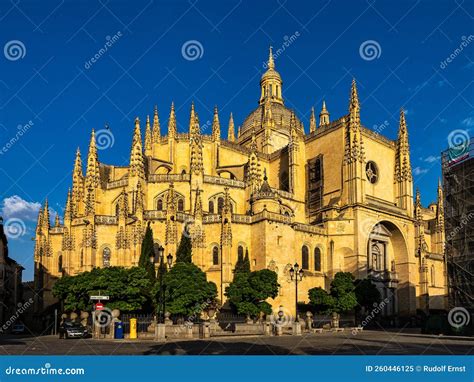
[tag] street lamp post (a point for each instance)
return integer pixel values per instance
(296, 275)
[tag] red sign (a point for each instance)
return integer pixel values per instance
(99, 306)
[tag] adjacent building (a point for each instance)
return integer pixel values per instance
(458, 184)
(10, 281)
(335, 196)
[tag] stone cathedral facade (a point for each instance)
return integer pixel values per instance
(337, 197)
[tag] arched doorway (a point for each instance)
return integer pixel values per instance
(386, 257)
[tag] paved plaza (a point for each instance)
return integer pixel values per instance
(344, 343)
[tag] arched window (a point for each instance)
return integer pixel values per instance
(60, 263)
(304, 257)
(183, 172)
(82, 257)
(215, 256)
(220, 205)
(240, 253)
(117, 209)
(317, 259)
(180, 205)
(211, 207)
(106, 257)
(433, 276)
(159, 205)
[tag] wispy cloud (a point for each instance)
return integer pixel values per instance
(431, 159)
(469, 122)
(419, 171)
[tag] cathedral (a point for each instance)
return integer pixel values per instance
(335, 197)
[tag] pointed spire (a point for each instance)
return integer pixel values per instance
(418, 205)
(198, 205)
(139, 202)
(137, 165)
(77, 179)
(440, 204)
(172, 123)
(92, 172)
(402, 164)
(231, 131)
(216, 127)
(271, 62)
(68, 210)
(45, 219)
(123, 205)
(293, 131)
(148, 136)
(312, 122)
(324, 115)
(156, 127)
(238, 132)
(57, 223)
(192, 119)
(354, 101)
(39, 222)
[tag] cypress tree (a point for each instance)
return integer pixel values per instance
(184, 252)
(147, 252)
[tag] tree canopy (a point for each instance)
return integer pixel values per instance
(341, 297)
(367, 293)
(249, 291)
(127, 288)
(187, 290)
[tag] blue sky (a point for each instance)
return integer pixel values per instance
(54, 94)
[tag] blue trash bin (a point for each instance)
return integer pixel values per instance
(118, 332)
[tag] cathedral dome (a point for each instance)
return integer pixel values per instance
(281, 116)
(271, 105)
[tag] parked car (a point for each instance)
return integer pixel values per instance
(71, 329)
(18, 328)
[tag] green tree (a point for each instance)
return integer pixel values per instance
(341, 297)
(367, 293)
(127, 288)
(187, 290)
(147, 253)
(249, 291)
(184, 252)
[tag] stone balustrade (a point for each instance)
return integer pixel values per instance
(106, 219)
(224, 181)
(117, 183)
(166, 178)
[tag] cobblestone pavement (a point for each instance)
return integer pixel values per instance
(367, 342)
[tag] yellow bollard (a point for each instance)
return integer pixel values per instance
(133, 328)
